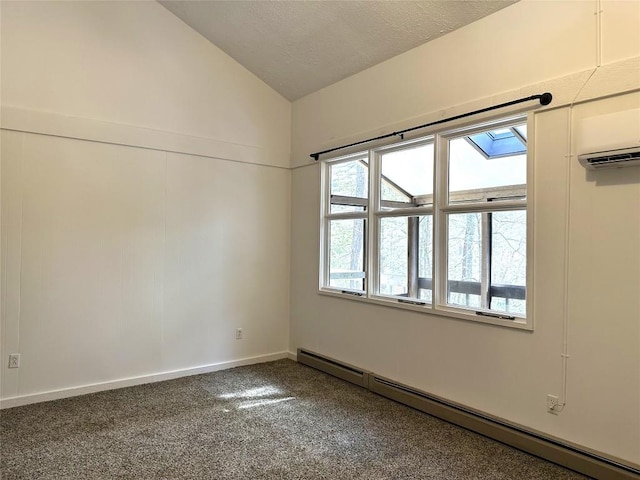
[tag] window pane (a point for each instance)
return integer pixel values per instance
(393, 256)
(474, 177)
(509, 261)
(464, 257)
(407, 177)
(405, 257)
(425, 259)
(346, 254)
(509, 305)
(501, 236)
(349, 186)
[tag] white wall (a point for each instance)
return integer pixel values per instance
(134, 63)
(504, 372)
(145, 213)
(604, 294)
(124, 254)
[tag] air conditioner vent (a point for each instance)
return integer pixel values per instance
(628, 157)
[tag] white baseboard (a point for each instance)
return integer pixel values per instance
(132, 381)
(292, 356)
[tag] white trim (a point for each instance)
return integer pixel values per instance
(323, 278)
(474, 207)
(132, 381)
(531, 225)
(346, 215)
(405, 212)
(441, 194)
(78, 128)
(372, 240)
(292, 356)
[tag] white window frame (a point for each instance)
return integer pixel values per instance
(439, 210)
(327, 216)
(376, 214)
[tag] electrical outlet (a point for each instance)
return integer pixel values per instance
(14, 360)
(238, 334)
(553, 403)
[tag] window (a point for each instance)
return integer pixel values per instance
(436, 224)
(345, 224)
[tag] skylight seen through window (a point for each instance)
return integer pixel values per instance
(501, 142)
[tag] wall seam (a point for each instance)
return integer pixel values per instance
(157, 149)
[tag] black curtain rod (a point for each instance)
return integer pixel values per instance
(545, 99)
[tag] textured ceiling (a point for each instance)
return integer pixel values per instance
(298, 47)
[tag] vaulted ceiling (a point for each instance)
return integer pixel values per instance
(299, 47)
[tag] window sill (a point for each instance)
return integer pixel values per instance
(449, 312)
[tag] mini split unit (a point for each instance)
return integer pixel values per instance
(609, 141)
(623, 157)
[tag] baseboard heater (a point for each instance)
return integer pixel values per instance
(333, 367)
(550, 449)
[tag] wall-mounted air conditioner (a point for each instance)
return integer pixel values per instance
(609, 141)
(623, 157)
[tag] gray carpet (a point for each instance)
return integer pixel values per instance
(278, 420)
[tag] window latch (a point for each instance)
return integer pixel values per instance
(410, 302)
(357, 294)
(496, 315)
